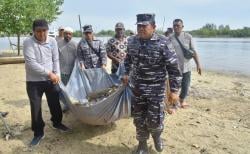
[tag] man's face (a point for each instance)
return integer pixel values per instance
(41, 34)
(88, 36)
(67, 36)
(145, 31)
(119, 32)
(178, 26)
(61, 32)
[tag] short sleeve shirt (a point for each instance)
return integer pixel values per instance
(187, 40)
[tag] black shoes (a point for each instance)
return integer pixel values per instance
(62, 128)
(142, 148)
(4, 114)
(36, 140)
(158, 143)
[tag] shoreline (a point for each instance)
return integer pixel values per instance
(224, 72)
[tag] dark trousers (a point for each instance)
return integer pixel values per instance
(185, 83)
(35, 92)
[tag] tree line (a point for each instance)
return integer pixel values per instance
(211, 30)
(208, 30)
(128, 32)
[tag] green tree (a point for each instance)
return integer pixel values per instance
(106, 33)
(128, 32)
(17, 15)
(209, 26)
(77, 33)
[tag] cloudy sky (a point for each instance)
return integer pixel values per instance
(103, 14)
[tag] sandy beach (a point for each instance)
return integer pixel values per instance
(218, 121)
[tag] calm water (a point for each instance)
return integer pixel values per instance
(217, 54)
(225, 54)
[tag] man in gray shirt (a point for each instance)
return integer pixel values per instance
(42, 76)
(67, 54)
(184, 63)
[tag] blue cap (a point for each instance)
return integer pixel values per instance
(145, 19)
(87, 28)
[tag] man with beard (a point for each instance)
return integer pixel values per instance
(67, 54)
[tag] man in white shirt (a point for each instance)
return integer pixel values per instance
(67, 54)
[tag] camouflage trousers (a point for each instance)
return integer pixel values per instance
(148, 113)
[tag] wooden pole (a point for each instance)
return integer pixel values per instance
(163, 24)
(80, 23)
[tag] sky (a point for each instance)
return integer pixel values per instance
(104, 14)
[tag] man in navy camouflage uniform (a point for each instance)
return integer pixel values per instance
(90, 51)
(117, 47)
(150, 56)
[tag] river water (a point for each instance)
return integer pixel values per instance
(216, 54)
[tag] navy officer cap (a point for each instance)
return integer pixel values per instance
(87, 28)
(145, 19)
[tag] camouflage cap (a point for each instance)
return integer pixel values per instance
(145, 19)
(87, 28)
(119, 25)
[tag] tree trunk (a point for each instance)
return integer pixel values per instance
(18, 44)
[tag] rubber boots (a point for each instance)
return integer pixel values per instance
(158, 142)
(142, 148)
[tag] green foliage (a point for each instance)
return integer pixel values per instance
(106, 33)
(211, 30)
(159, 31)
(17, 16)
(77, 33)
(129, 32)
